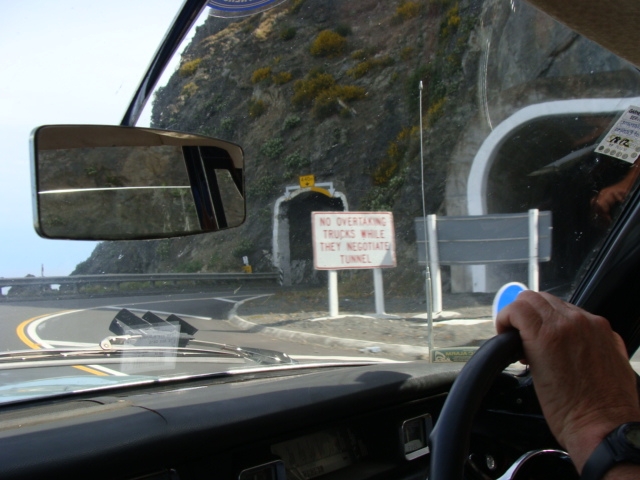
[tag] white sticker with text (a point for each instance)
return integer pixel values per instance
(623, 140)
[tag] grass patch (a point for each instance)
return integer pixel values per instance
(328, 44)
(188, 69)
(257, 108)
(260, 75)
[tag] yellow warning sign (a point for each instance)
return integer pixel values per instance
(307, 181)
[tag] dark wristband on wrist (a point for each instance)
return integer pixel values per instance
(622, 445)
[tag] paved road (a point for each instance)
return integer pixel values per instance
(85, 322)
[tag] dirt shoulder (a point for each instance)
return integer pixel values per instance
(467, 321)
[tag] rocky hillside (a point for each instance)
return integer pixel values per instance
(298, 85)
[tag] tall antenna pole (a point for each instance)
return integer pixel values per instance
(427, 272)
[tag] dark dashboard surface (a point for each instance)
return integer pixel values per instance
(332, 423)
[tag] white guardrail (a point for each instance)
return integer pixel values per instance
(152, 278)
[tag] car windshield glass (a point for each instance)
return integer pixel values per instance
(402, 162)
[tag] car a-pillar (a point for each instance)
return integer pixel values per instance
(292, 245)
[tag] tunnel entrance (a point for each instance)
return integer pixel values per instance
(292, 237)
(557, 151)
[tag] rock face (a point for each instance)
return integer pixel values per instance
(256, 82)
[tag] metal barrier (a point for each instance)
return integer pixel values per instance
(152, 278)
(481, 240)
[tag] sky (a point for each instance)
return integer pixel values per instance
(63, 62)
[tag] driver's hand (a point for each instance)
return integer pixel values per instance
(580, 369)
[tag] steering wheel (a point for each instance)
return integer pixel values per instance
(450, 437)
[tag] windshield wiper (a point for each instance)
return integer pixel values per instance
(97, 352)
(122, 352)
(125, 343)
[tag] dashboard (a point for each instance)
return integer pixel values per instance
(331, 423)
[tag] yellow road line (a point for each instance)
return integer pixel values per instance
(23, 336)
(90, 370)
(31, 344)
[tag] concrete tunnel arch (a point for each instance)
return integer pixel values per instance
(488, 278)
(291, 243)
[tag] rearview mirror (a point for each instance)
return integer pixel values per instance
(121, 183)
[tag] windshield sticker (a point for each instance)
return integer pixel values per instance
(453, 354)
(623, 140)
(239, 8)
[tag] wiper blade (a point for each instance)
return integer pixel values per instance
(258, 355)
(20, 356)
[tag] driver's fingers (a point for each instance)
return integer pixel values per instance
(533, 311)
(525, 313)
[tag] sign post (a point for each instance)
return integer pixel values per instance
(353, 241)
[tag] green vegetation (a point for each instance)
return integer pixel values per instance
(396, 150)
(392, 170)
(307, 90)
(163, 249)
(191, 266)
(294, 163)
(406, 53)
(343, 29)
(261, 74)
(435, 110)
(295, 6)
(366, 66)
(227, 126)
(272, 148)
(321, 91)
(264, 187)
(328, 44)
(187, 69)
(257, 108)
(281, 78)
(407, 10)
(245, 247)
(291, 122)
(384, 172)
(359, 54)
(189, 89)
(287, 33)
(442, 76)
(214, 261)
(450, 24)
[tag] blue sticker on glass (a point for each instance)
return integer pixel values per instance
(506, 295)
(237, 8)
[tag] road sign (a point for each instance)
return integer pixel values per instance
(353, 240)
(307, 181)
(506, 295)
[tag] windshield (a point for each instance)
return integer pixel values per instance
(402, 162)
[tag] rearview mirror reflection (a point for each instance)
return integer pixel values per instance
(108, 183)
